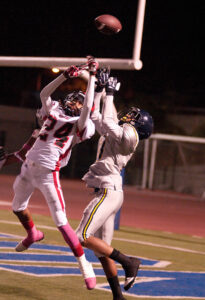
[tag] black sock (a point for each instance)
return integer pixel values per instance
(115, 287)
(119, 257)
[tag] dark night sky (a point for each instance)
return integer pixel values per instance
(172, 48)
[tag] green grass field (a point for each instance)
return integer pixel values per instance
(184, 252)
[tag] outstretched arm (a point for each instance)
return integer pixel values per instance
(102, 79)
(72, 71)
(89, 95)
(109, 114)
(48, 90)
(96, 116)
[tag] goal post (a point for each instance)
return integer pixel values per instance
(133, 63)
(175, 162)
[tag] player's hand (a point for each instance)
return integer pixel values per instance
(102, 79)
(112, 86)
(2, 153)
(35, 133)
(92, 65)
(72, 71)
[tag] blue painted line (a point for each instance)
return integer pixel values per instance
(49, 270)
(6, 235)
(37, 257)
(52, 257)
(38, 270)
(10, 244)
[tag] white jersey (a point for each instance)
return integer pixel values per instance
(116, 148)
(57, 136)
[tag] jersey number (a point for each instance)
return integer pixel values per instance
(61, 133)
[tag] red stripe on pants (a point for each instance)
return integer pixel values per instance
(57, 187)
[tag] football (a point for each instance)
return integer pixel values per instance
(108, 24)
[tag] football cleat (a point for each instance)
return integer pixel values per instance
(27, 242)
(131, 271)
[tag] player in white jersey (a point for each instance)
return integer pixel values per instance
(66, 124)
(119, 140)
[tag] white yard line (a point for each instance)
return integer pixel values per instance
(9, 203)
(39, 226)
(160, 246)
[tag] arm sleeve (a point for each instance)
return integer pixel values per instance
(87, 105)
(96, 116)
(109, 119)
(21, 154)
(48, 90)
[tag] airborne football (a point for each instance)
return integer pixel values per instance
(108, 24)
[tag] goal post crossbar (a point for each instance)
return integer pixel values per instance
(64, 62)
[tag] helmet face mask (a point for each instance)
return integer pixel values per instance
(73, 103)
(129, 115)
(140, 119)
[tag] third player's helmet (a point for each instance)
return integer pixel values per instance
(69, 103)
(138, 118)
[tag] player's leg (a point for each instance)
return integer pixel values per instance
(109, 265)
(33, 235)
(53, 194)
(23, 190)
(129, 264)
(110, 270)
(93, 218)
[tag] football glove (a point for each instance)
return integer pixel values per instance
(112, 86)
(102, 77)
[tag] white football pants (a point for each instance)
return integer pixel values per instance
(35, 176)
(99, 216)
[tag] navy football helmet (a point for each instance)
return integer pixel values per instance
(69, 103)
(140, 119)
